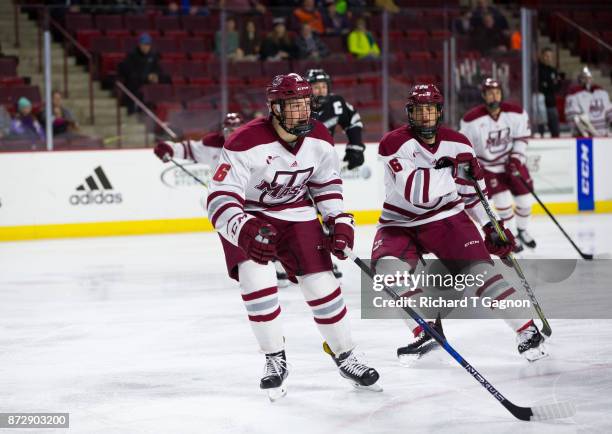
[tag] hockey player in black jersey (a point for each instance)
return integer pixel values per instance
(333, 110)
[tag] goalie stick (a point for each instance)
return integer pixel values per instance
(519, 271)
(557, 410)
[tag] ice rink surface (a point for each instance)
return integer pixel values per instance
(148, 335)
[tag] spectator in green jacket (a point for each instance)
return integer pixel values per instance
(361, 43)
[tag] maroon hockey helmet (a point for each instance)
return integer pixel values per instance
(488, 84)
(422, 94)
(231, 122)
(289, 87)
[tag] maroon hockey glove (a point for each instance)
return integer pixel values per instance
(342, 234)
(465, 166)
(516, 168)
(257, 238)
(163, 151)
(493, 242)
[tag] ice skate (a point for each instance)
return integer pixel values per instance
(531, 344)
(358, 373)
(422, 345)
(275, 375)
(526, 239)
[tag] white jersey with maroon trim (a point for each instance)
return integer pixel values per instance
(495, 140)
(594, 103)
(205, 151)
(416, 192)
(258, 171)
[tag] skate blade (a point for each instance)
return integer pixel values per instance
(409, 360)
(535, 354)
(371, 388)
(277, 393)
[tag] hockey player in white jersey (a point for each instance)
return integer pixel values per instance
(588, 108)
(261, 203)
(204, 151)
(429, 173)
(499, 131)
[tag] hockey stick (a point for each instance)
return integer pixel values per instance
(485, 203)
(180, 166)
(540, 412)
(586, 256)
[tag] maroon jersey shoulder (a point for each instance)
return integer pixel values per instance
(214, 140)
(577, 88)
(450, 135)
(510, 107)
(257, 132)
(320, 132)
(475, 113)
(393, 140)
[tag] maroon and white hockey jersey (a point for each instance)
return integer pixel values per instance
(494, 140)
(416, 192)
(594, 103)
(205, 151)
(258, 171)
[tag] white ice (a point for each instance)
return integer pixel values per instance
(148, 335)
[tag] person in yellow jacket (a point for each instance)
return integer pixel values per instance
(361, 43)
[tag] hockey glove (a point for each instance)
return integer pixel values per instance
(257, 238)
(341, 234)
(516, 168)
(493, 242)
(163, 151)
(465, 166)
(354, 155)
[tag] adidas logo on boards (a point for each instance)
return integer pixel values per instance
(96, 189)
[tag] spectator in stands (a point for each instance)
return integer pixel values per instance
(309, 45)
(334, 23)
(62, 119)
(5, 122)
(309, 14)
(278, 45)
(243, 6)
(388, 5)
(549, 84)
(483, 8)
(250, 41)
(141, 66)
(232, 40)
(361, 43)
(486, 39)
(26, 125)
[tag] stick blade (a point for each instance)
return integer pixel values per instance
(559, 410)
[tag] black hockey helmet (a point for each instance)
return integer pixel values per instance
(315, 76)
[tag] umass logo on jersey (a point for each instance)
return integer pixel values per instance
(285, 186)
(499, 140)
(95, 190)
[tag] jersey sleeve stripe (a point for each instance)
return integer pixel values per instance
(221, 210)
(325, 197)
(325, 184)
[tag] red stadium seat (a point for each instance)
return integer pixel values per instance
(109, 63)
(12, 81)
(175, 56)
(109, 22)
(167, 23)
(244, 69)
(166, 45)
(84, 37)
(155, 93)
(105, 44)
(138, 23)
(176, 34)
(76, 22)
